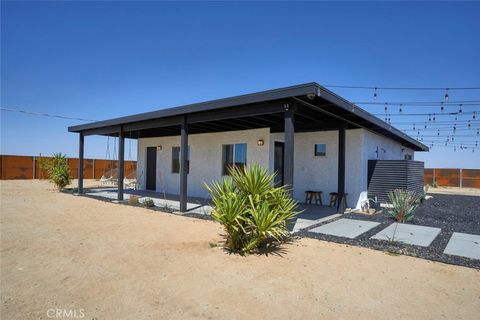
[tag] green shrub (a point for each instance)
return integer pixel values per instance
(250, 208)
(148, 203)
(58, 171)
(133, 200)
(404, 203)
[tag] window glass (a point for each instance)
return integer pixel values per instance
(241, 154)
(320, 149)
(233, 155)
(176, 159)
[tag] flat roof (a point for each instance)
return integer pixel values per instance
(319, 109)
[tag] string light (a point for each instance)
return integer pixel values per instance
(460, 111)
(442, 108)
(446, 95)
(375, 94)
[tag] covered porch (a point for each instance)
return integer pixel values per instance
(303, 108)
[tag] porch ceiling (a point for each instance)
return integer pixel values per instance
(316, 109)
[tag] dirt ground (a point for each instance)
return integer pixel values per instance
(110, 261)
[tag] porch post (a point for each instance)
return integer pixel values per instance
(341, 169)
(183, 164)
(121, 155)
(80, 162)
(289, 146)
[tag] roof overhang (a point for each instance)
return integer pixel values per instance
(317, 109)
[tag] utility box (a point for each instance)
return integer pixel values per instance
(387, 175)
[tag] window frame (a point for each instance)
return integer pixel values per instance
(315, 154)
(233, 147)
(178, 159)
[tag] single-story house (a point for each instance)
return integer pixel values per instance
(314, 139)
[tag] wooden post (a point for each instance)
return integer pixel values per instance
(121, 155)
(183, 164)
(80, 162)
(33, 168)
(288, 156)
(341, 170)
(461, 178)
(93, 169)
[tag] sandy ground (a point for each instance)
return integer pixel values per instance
(110, 261)
(454, 190)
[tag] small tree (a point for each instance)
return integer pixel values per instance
(59, 171)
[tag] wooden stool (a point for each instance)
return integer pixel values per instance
(334, 199)
(316, 195)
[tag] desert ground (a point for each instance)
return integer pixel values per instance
(112, 261)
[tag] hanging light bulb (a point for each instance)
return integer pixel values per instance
(429, 117)
(446, 95)
(442, 107)
(454, 148)
(425, 125)
(456, 118)
(386, 108)
(460, 110)
(414, 127)
(433, 117)
(438, 132)
(400, 110)
(474, 115)
(375, 94)
(469, 124)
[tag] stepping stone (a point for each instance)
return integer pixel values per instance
(301, 224)
(347, 228)
(408, 233)
(464, 245)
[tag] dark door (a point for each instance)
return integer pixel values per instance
(278, 162)
(151, 168)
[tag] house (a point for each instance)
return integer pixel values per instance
(314, 139)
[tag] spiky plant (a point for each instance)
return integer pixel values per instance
(404, 203)
(59, 171)
(250, 208)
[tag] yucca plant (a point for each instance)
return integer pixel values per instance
(404, 203)
(59, 171)
(250, 208)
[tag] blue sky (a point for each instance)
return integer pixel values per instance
(99, 60)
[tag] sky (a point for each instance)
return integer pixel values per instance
(99, 60)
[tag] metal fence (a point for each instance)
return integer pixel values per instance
(29, 167)
(462, 178)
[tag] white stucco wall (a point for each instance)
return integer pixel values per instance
(310, 172)
(205, 158)
(321, 173)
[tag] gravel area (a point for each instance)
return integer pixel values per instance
(451, 213)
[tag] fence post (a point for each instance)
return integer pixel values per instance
(33, 177)
(433, 178)
(93, 169)
(461, 178)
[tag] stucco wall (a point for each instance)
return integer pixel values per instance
(310, 172)
(205, 158)
(321, 173)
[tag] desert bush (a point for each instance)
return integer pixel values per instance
(148, 203)
(250, 209)
(404, 203)
(133, 200)
(59, 171)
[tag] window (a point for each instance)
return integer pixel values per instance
(408, 157)
(233, 155)
(320, 150)
(176, 159)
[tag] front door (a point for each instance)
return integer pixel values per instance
(151, 168)
(278, 162)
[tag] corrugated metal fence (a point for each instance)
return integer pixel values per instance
(463, 178)
(28, 167)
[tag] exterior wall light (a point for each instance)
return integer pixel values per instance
(159, 148)
(260, 142)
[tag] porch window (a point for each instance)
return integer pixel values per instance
(320, 150)
(176, 159)
(233, 155)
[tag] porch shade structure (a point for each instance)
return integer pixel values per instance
(302, 108)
